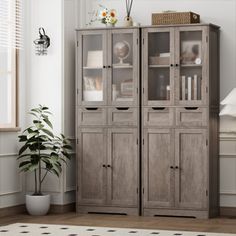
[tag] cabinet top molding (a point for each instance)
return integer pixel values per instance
(149, 26)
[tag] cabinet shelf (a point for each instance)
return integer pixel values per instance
(92, 68)
(191, 65)
(122, 67)
(159, 66)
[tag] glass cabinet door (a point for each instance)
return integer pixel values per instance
(123, 59)
(190, 58)
(92, 68)
(158, 66)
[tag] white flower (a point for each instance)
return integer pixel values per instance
(103, 13)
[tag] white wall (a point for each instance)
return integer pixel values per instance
(50, 82)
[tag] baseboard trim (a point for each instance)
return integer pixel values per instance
(60, 209)
(228, 211)
(9, 211)
(20, 209)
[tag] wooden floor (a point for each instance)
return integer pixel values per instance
(221, 225)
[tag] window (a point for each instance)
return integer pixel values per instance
(7, 87)
(10, 42)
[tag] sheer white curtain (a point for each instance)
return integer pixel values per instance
(10, 41)
(11, 23)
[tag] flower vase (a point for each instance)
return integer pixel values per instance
(128, 21)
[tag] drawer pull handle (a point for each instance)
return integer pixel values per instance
(158, 108)
(91, 108)
(191, 108)
(122, 108)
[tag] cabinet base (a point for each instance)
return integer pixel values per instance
(176, 212)
(107, 210)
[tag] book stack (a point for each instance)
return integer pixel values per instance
(190, 87)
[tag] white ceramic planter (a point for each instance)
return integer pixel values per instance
(37, 205)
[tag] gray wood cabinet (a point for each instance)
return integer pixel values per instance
(108, 155)
(148, 146)
(180, 105)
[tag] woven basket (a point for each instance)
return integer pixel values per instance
(169, 18)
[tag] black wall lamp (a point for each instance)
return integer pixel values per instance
(42, 43)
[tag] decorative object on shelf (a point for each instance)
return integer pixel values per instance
(115, 92)
(42, 153)
(122, 50)
(229, 104)
(95, 59)
(172, 17)
(190, 87)
(92, 88)
(168, 92)
(128, 21)
(42, 43)
(108, 17)
(160, 59)
(191, 52)
(126, 87)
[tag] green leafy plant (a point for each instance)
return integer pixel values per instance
(42, 151)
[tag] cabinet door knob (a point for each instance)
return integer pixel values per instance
(176, 65)
(109, 166)
(104, 166)
(176, 167)
(108, 66)
(104, 67)
(172, 167)
(171, 65)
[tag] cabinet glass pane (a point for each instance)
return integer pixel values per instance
(159, 66)
(122, 67)
(159, 84)
(92, 68)
(191, 65)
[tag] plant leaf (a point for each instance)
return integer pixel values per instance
(48, 122)
(46, 131)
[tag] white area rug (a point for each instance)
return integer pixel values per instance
(20, 229)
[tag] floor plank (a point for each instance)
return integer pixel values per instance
(220, 225)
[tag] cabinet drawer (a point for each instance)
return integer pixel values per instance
(92, 116)
(191, 116)
(123, 116)
(158, 116)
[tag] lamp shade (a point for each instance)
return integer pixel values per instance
(230, 99)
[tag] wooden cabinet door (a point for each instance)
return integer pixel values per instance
(158, 66)
(91, 67)
(123, 167)
(191, 66)
(158, 176)
(191, 161)
(123, 67)
(91, 173)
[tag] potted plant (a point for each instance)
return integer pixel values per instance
(42, 152)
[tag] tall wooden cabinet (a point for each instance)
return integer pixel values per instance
(148, 145)
(108, 120)
(180, 105)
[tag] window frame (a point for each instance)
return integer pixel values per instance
(14, 125)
